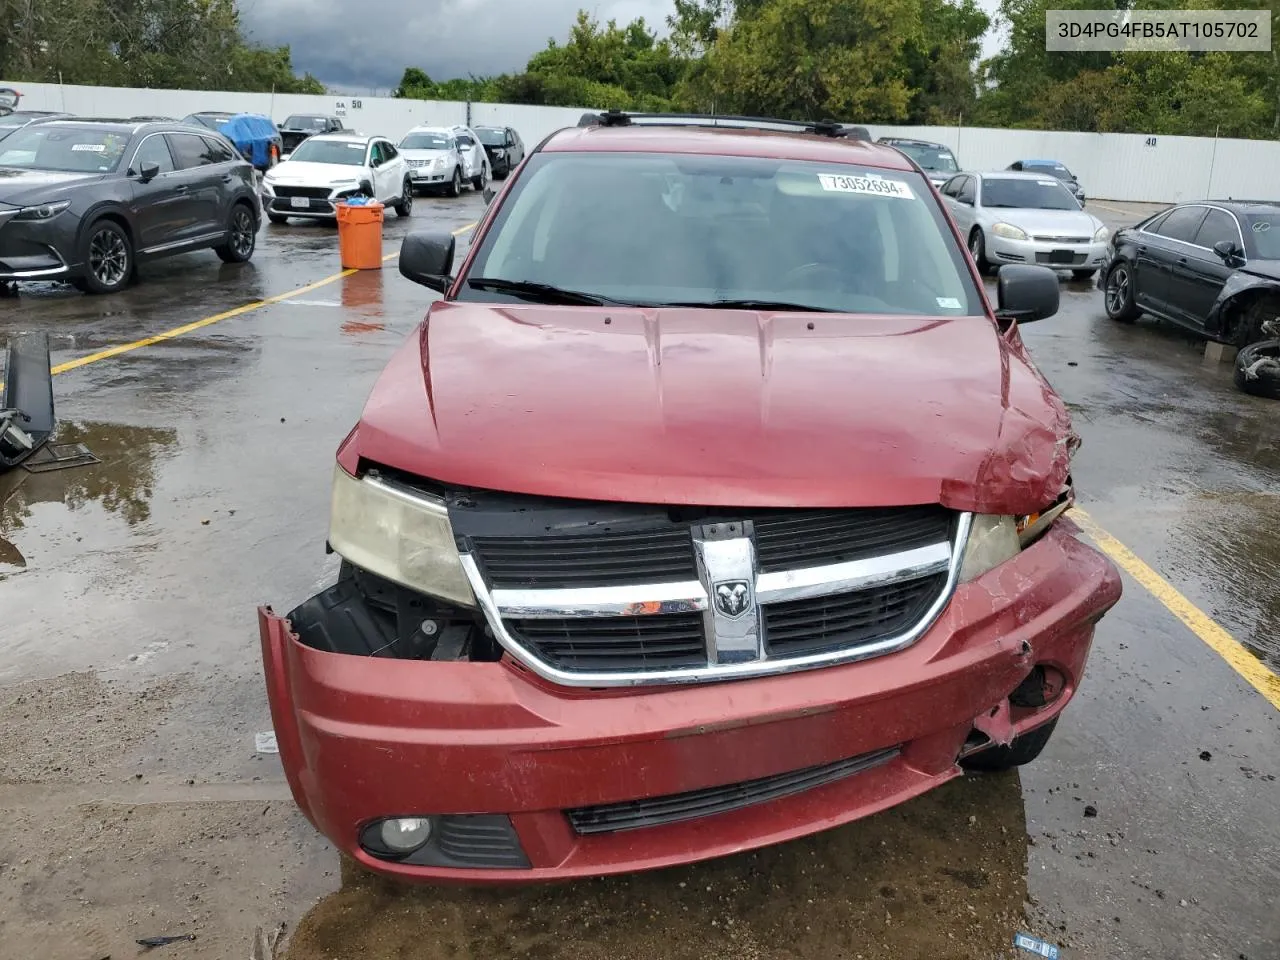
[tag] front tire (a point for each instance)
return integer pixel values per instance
(978, 250)
(455, 185)
(1118, 294)
(277, 219)
(1022, 751)
(404, 207)
(1083, 274)
(107, 258)
(478, 183)
(242, 236)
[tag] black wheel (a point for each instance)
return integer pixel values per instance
(1262, 310)
(108, 258)
(1082, 274)
(478, 183)
(978, 250)
(277, 219)
(404, 207)
(1258, 369)
(455, 185)
(502, 174)
(242, 236)
(1118, 294)
(1022, 751)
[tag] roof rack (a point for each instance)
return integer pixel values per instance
(822, 128)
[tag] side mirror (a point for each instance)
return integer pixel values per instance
(488, 195)
(148, 171)
(1025, 293)
(1228, 250)
(426, 257)
(285, 156)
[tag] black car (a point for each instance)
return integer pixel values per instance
(84, 201)
(1212, 267)
(299, 126)
(18, 119)
(1054, 169)
(504, 147)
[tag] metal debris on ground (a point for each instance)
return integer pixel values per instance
(60, 456)
(26, 402)
(164, 941)
(265, 742)
(266, 945)
(1041, 948)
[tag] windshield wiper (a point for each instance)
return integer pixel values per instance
(540, 292)
(779, 305)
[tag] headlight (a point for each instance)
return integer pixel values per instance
(992, 541)
(995, 539)
(1009, 231)
(1102, 235)
(499, 152)
(349, 182)
(400, 534)
(42, 211)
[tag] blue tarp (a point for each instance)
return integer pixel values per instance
(252, 134)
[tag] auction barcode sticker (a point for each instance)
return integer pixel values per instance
(872, 186)
(88, 148)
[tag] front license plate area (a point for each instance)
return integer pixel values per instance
(1061, 256)
(300, 203)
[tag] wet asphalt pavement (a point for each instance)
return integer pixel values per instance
(130, 682)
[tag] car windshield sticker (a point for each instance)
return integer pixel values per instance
(949, 303)
(869, 185)
(355, 146)
(1261, 226)
(88, 148)
(1047, 183)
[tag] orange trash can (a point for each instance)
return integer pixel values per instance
(360, 236)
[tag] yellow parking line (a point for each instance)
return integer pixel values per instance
(1253, 670)
(226, 315)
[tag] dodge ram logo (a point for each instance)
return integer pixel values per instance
(732, 597)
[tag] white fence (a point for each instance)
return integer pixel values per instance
(1111, 166)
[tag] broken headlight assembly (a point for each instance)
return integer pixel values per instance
(993, 539)
(397, 533)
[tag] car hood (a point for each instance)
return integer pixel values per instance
(1263, 268)
(319, 174)
(719, 408)
(20, 186)
(1054, 223)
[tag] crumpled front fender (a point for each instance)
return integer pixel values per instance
(1236, 293)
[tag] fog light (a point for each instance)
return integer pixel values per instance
(404, 834)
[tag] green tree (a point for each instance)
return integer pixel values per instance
(941, 61)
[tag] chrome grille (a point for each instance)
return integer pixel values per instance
(314, 193)
(597, 595)
(1062, 239)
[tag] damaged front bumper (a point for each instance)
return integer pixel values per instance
(524, 781)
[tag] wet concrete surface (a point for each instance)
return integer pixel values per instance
(130, 682)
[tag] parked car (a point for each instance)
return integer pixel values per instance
(504, 148)
(1054, 169)
(435, 161)
(936, 159)
(152, 118)
(1025, 218)
(1211, 267)
(9, 100)
(330, 167)
(254, 135)
(705, 510)
(19, 119)
(299, 126)
(85, 201)
(475, 160)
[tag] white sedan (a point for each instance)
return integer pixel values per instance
(329, 168)
(1025, 218)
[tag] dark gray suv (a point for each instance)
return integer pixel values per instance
(84, 201)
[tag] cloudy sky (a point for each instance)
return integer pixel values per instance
(366, 46)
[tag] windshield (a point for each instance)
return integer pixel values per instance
(1265, 232)
(694, 230)
(491, 138)
(425, 141)
(342, 152)
(69, 149)
(930, 158)
(211, 120)
(1027, 194)
(298, 122)
(1053, 169)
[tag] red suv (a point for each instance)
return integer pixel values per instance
(712, 506)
